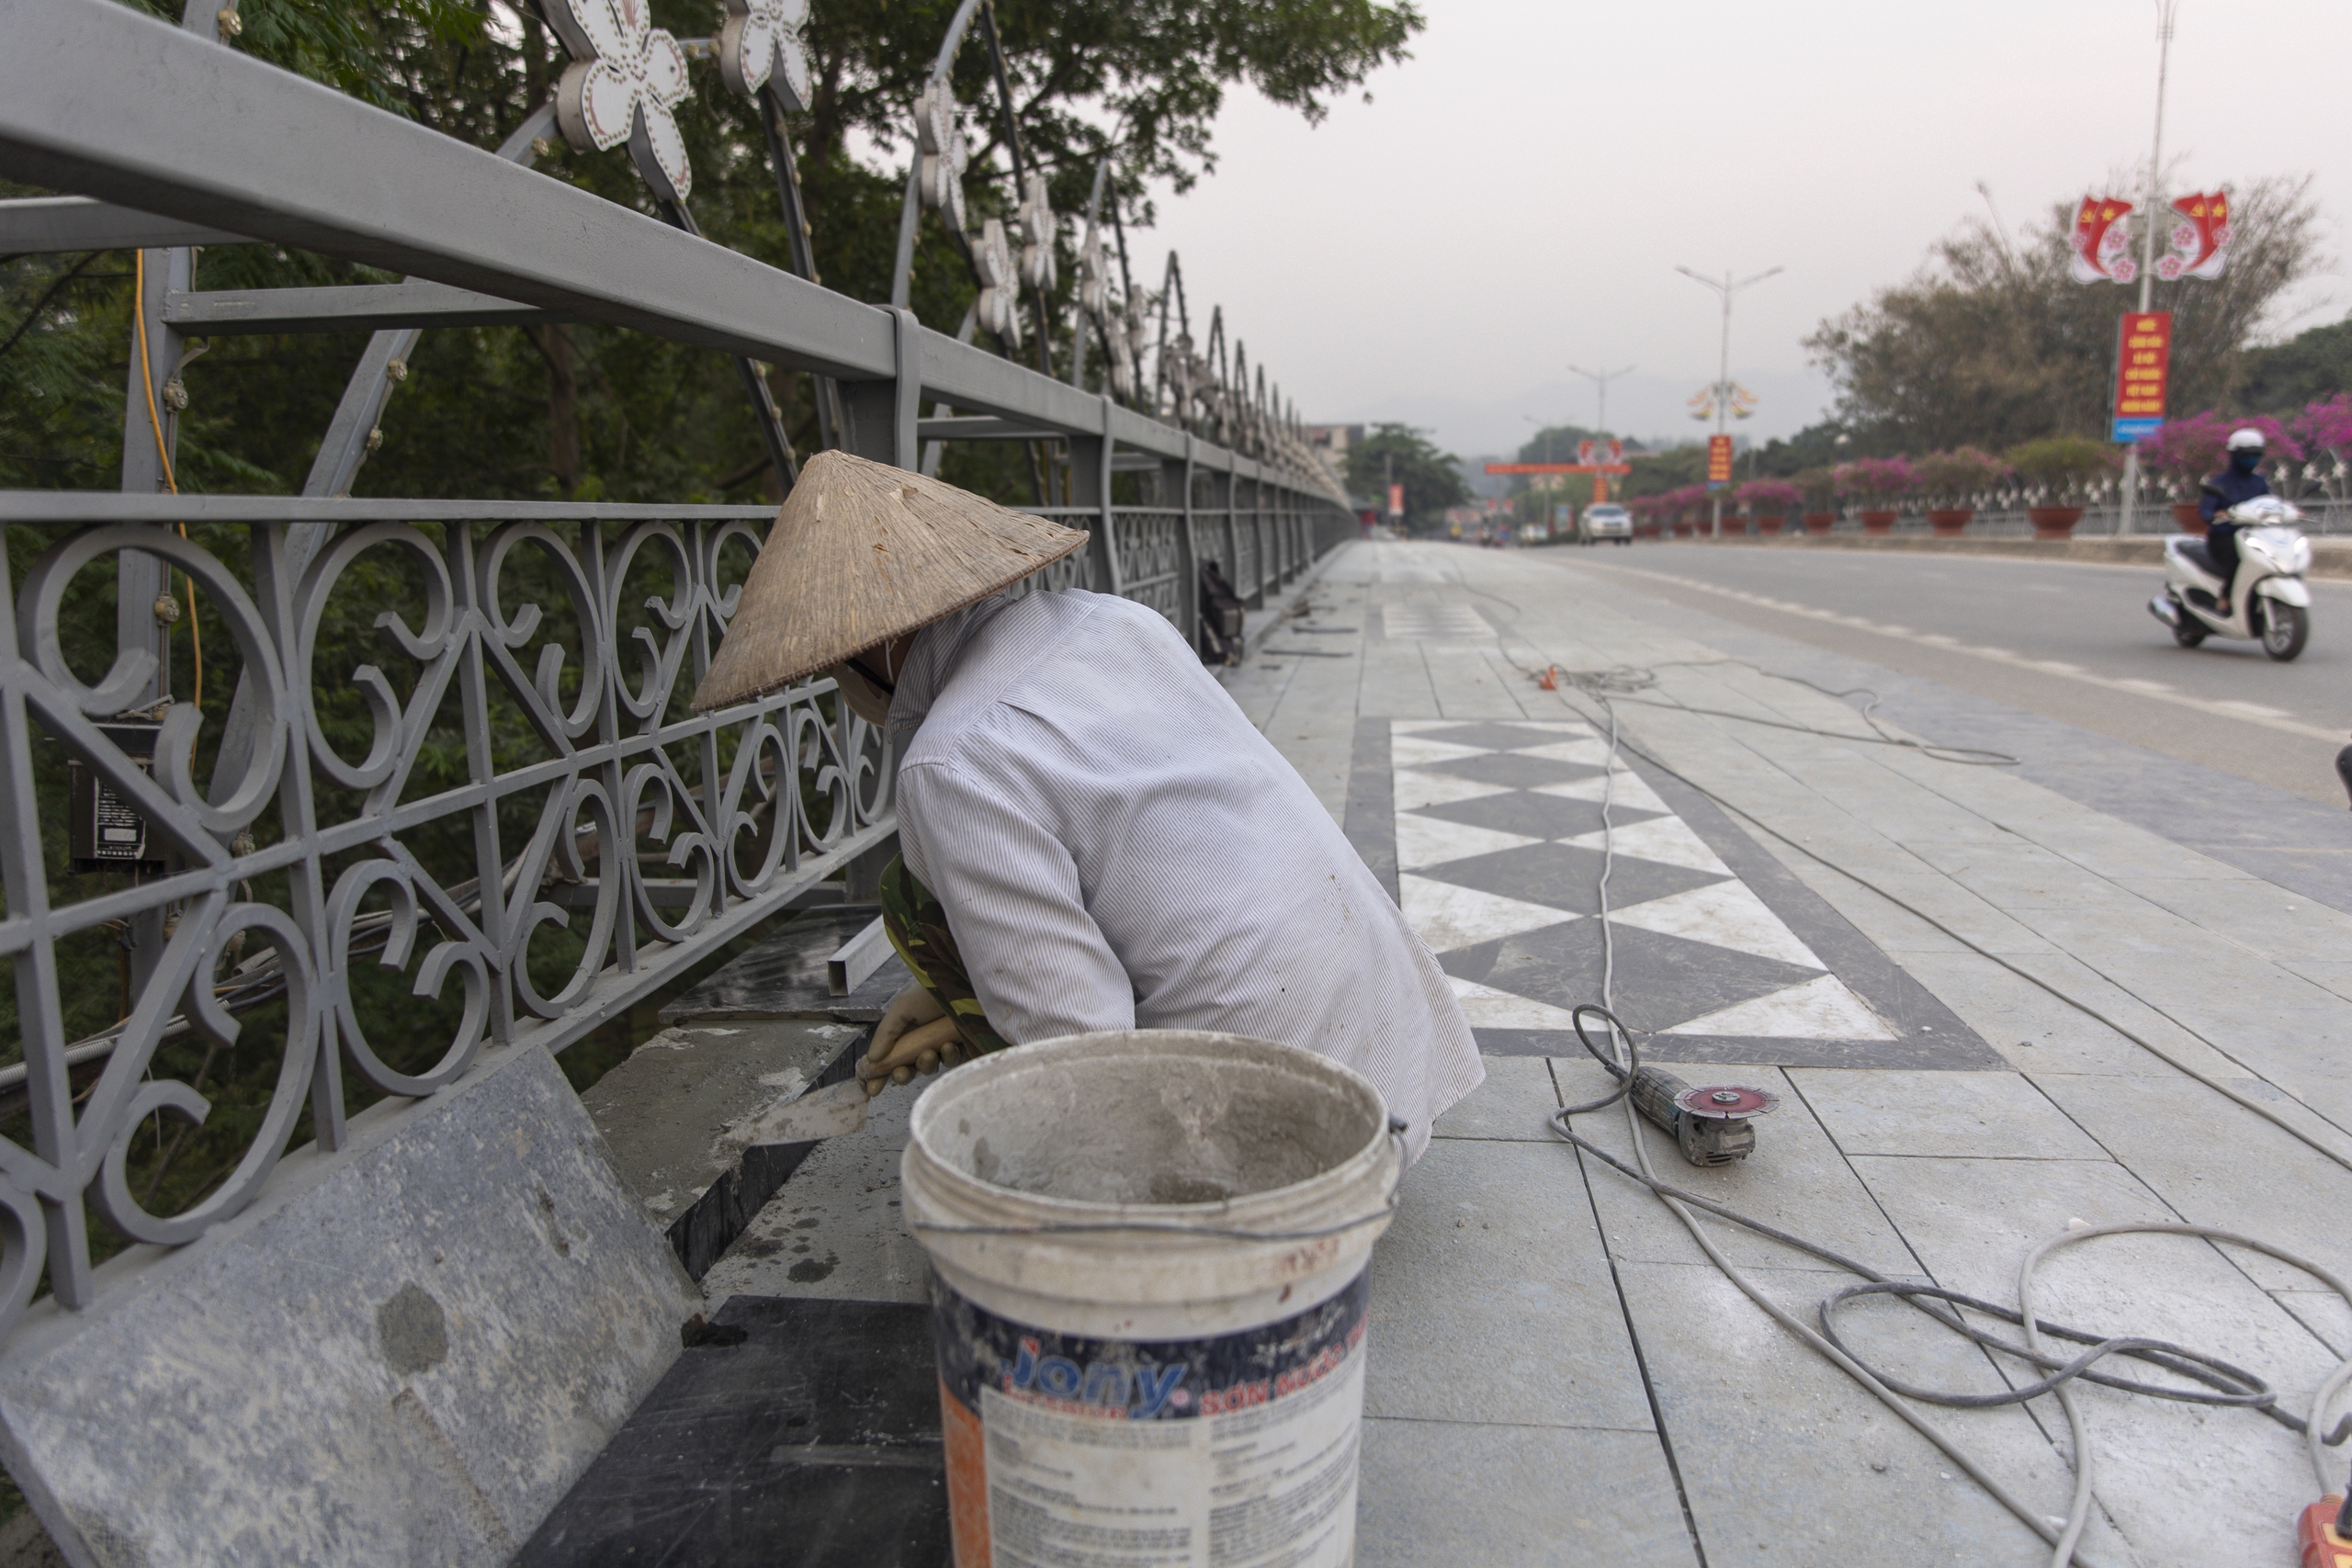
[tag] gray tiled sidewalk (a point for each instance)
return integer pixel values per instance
(1559, 1376)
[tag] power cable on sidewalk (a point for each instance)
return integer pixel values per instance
(2230, 1385)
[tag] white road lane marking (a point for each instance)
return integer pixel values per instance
(2154, 690)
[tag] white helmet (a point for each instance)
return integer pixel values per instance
(2240, 440)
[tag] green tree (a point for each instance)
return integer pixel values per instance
(2308, 368)
(586, 411)
(1398, 454)
(1992, 344)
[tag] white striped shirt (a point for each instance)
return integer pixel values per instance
(1117, 847)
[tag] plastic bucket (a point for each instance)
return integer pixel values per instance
(1148, 1252)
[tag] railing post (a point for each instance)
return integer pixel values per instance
(1176, 484)
(1257, 531)
(1090, 462)
(881, 415)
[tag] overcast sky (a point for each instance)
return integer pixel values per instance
(1516, 196)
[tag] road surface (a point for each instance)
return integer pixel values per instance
(2070, 641)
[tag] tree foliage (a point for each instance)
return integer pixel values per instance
(1995, 344)
(1398, 454)
(591, 412)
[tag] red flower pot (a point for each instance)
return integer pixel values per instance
(1950, 520)
(1879, 522)
(1735, 525)
(1646, 530)
(2184, 518)
(1819, 522)
(2053, 521)
(1682, 530)
(1770, 524)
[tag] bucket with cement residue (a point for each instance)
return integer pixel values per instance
(1148, 1250)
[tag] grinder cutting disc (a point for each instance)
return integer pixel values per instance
(1726, 1101)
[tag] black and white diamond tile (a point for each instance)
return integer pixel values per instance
(1499, 854)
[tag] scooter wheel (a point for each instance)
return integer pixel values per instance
(2285, 629)
(2188, 631)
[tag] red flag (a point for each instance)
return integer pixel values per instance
(2200, 246)
(2102, 247)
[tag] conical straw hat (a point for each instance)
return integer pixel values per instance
(860, 553)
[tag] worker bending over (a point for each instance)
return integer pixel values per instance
(1093, 835)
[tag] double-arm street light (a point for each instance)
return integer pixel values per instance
(2165, 11)
(1601, 380)
(1723, 378)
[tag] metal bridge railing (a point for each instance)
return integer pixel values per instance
(458, 790)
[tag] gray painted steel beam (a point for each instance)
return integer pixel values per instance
(43, 225)
(365, 307)
(97, 100)
(982, 427)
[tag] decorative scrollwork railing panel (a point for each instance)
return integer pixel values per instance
(471, 806)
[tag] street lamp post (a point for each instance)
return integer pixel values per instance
(1723, 376)
(1601, 380)
(2165, 11)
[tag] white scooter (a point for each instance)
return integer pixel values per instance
(2269, 601)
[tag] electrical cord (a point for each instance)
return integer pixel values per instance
(1620, 683)
(2232, 1385)
(1607, 686)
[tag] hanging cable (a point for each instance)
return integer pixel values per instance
(163, 456)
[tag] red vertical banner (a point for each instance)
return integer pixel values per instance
(1396, 501)
(1719, 459)
(2142, 371)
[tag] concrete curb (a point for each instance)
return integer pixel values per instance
(2330, 557)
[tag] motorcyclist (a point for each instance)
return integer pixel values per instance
(2234, 485)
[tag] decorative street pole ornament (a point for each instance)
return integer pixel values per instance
(2200, 247)
(1037, 231)
(2101, 243)
(626, 78)
(761, 47)
(939, 139)
(999, 306)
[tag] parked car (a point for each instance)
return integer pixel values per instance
(1604, 520)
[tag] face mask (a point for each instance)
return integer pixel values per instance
(2244, 461)
(867, 696)
(865, 699)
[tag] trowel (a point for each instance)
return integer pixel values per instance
(804, 1118)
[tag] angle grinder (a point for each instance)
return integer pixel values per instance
(1711, 1123)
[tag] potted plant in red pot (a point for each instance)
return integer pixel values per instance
(2324, 432)
(1952, 480)
(2059, 471)
(1878, 486)
(1817, 492)
(1770, 502)
(2179, 454)
(2183, 453)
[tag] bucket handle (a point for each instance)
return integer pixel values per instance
(1396, 1127)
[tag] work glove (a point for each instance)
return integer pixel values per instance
(916, 1034)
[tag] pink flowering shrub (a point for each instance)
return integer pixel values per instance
(1878, 483)
(1766, 497)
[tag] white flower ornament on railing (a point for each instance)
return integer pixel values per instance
(999, 306)
(1037, 233)
(761, 47)
(939, 142)
(626, 78)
